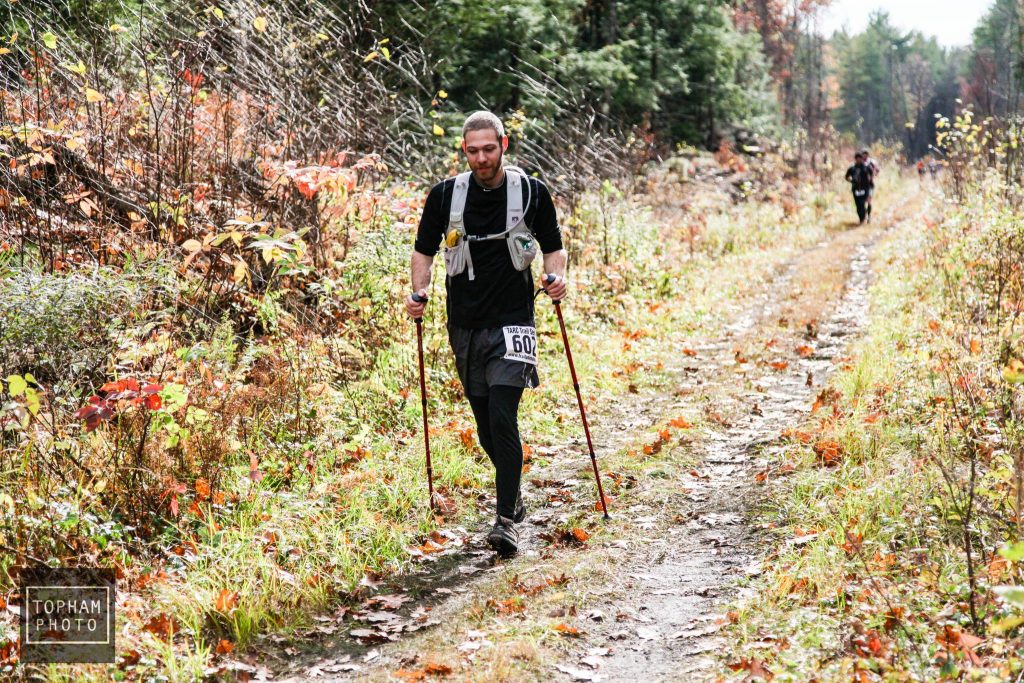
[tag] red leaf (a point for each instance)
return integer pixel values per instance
(153, 401)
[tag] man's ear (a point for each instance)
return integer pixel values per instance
(463, 145)
(504, 143)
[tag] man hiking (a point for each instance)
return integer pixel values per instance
(488, 220)
(859, 175)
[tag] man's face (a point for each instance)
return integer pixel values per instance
(483, 152)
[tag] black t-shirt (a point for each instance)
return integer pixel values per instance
(500, 294)
(859, 176)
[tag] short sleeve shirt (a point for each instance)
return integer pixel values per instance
(499, 295)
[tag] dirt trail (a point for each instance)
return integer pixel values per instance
(662, 616)
(680, 553)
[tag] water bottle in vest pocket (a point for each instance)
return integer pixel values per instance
(456, 249)
(522, 246)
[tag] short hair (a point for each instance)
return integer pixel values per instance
(865, 153)
(483, 120)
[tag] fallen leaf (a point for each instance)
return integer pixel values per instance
(804, 351)
(829, 452)
(162, 625)
(755, 667)
(390, 601)
(226, 601)
(580, 535)
(435, 669)
(566, 630)
(224, 647)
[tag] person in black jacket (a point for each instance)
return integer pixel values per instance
(491, 311)
(860, 177)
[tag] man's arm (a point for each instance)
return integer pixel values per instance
(419, 266)
(554, 264)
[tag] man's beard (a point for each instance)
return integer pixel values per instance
(488, 174)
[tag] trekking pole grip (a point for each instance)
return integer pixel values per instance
(549, 279)
(419, 299)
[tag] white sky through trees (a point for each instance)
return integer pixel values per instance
(951, 21)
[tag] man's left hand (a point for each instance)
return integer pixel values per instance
(556, 289)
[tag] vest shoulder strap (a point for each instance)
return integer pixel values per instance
(459, 192)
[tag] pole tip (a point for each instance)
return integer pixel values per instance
(607, 516)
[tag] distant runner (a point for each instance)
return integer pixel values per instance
(860, 177)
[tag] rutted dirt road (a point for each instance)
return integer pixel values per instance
(685, 542)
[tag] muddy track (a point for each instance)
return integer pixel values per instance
(680, 556)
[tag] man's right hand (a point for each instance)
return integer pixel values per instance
(415, 308)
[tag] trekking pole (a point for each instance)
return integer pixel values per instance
(423, 399)
(579, 399)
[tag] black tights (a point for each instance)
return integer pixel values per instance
(497, 423)
(863, 208)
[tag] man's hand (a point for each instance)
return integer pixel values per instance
(415, 308)
(556, 289)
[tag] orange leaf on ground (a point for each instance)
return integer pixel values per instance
(226, 601)
(567, 630)
(829, 452)
(224, 647)
(755, 667)
(202, 489)
(680, 423)
(162, 626)
(510, 606)
(779, 365)
(435, 669)
(689, 352)
(804, 351)
(580, 535)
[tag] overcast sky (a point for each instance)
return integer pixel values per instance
(951, 21)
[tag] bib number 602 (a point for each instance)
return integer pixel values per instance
(522, 343)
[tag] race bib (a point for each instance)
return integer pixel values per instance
(521, 344)
(859, 193)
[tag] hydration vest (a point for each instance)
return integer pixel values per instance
(522, 246)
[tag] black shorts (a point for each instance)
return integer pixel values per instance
(484, 360)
